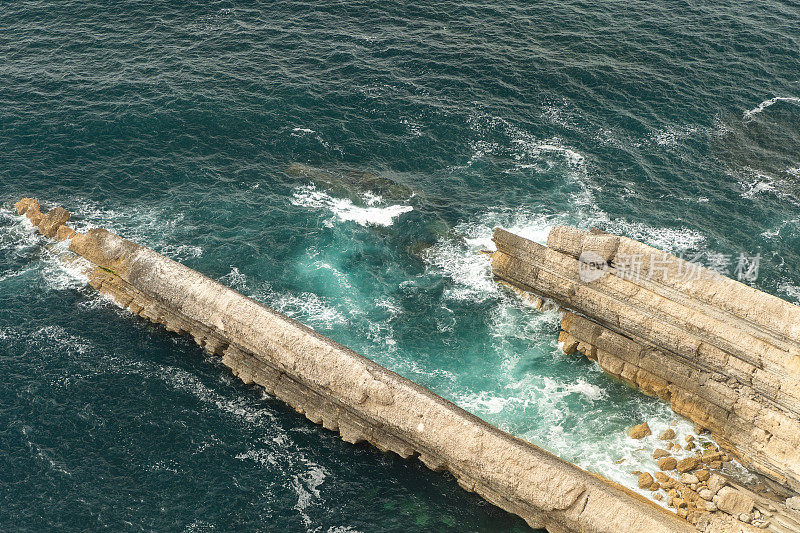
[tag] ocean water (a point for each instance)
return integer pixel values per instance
(422, 126)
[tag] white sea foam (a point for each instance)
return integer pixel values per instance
(180, 252)
(756, 183)
(671, 136)
(261, 456)
(767, 103)
(234, 279)
(306, 485)
(14, 274)
(236, 406)
(462, 260)
(790, 290)
(674, 240)
(59, 268)
(485, 402)
(67, 273)
(414, 128)
(535, 149)
(308, 308)
(779, 228)
(345, 210)
(303, 130)
(20, 235)
(58, 336)
(157, 228)
(466, 267)
(524, 394)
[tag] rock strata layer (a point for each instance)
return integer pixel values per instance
(724, 354)
(345, 392)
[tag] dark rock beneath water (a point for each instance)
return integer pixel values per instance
(417, 250)
(352, 184)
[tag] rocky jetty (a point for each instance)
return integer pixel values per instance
(723, 354)
(345, 392)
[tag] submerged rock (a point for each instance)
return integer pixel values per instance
(352, 184)
(417, 249)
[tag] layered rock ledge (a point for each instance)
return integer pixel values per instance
(346, 392)
(725, 355)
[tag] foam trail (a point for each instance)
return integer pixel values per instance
(345, 210)
(748, 115)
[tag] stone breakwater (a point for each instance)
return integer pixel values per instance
(725, 355)
(346, 392)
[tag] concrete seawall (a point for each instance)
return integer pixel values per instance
(724, 354)
(345, 392)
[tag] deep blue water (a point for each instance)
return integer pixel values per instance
(677, 123)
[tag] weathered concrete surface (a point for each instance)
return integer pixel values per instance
(348, 393)
(725, 355)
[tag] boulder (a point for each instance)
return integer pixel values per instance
(702, 475)
(667, 463)
(645, 480)
(734, 502)
(793, 503)
(688, 479)
(34, 214)
(667, 435)
(716, 482)
(659, 453)
(64, 233)
(706, 494)
(26, 203)
(640, 431)
(685, 465)
(52, 220)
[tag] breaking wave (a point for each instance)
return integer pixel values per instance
(748, 115)
(345, 210)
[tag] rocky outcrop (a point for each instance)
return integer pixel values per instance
(724, 354)
(345, 392)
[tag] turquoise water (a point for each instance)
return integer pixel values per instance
(174, 125)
